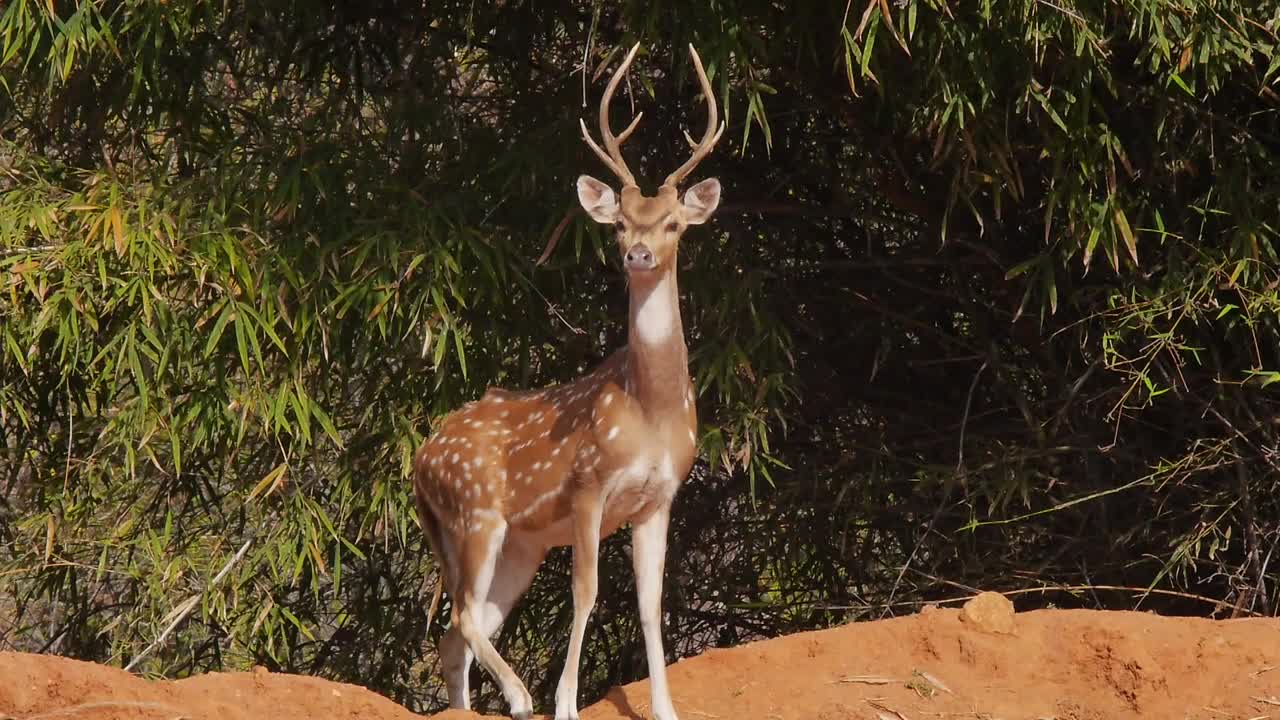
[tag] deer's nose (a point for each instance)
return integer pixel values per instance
(640, 257)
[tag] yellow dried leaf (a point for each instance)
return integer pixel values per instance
(1130, 242)
(117, 229)
(270, 482)
(51, 531)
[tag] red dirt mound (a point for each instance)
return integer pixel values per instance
(980, 662)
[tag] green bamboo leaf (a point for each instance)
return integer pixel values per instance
(250, 331)
(413, 265)
(228, 314)
(16, 352)
(1051, 286)
(326, 424)
(293, 620)
(1177, 80)
(850, 50)
(175, 448)
(301, 411)
(442, 338)
(1090, 245)
(1022, 267)
(264, 326)
(337, 570)
(325, 521)
(135, 367)
(242, 344)
(279, 406)
(870, 43)
(462, 352)
(1236, 272)
(1052, 113)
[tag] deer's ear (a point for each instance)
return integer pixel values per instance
(701, 200)
(597, 199)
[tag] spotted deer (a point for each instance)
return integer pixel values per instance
(513, 474)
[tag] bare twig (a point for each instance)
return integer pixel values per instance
(964, 420)
(6, 252)
(555, 235)
(189, 604)
(884, 712)
(71, 428)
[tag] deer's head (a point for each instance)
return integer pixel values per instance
(649, 228)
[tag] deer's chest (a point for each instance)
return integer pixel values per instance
(629, 485)
(635, 480)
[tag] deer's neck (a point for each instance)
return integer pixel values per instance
(657, 358)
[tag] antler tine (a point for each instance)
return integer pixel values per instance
(611, 155)
(604, 157)
(709, 137)
(622, 137)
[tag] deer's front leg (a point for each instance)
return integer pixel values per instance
(648, 557)
(586, 547)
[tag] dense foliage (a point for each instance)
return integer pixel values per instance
(992, 303)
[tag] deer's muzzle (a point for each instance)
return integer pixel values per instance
(639, 257)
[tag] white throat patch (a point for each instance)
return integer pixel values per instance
(656, 318)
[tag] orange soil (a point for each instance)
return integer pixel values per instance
(1060, 664)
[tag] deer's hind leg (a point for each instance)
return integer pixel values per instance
(516, 565)
(482, 552)
(455, 664)
(455, 656)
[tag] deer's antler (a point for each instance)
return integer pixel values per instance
(613, 158)
(709, 137)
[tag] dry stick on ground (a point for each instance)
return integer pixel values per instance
(189, 604)
(869, 680)
(133, 705)
(1025, 591)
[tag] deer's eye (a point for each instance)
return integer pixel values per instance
(619, 226)
(672, 227)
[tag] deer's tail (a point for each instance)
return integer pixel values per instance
(435, 539)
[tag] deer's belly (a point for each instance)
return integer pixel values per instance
(554, 534)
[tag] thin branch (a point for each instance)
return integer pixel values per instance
(964, 420)
(189, 604)
(7, 252)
